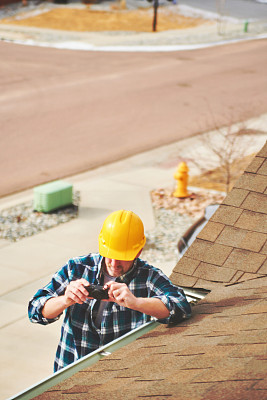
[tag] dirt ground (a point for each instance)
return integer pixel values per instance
(115, 19)
(216, 179)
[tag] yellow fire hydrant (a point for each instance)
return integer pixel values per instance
(181, 175)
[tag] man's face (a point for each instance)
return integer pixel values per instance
(117, 267)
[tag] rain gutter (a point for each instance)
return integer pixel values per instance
(84, 362)
(96, 355)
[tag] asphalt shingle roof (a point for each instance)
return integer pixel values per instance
(231, 248)
(220, 353)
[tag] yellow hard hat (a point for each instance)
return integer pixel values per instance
(122, 236)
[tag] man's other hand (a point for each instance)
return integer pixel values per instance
(75, 292)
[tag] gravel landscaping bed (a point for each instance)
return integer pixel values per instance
(21, 220)
(173, 217)
(161, 242)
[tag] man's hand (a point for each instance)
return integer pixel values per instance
(121, 294)
(75, 292)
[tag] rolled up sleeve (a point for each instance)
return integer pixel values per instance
(55, 288)
(172, 297)
(35, 308)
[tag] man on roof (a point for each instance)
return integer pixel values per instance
(133, 292)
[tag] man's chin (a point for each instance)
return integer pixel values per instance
(115, 272)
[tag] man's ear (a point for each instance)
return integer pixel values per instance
(138, 254)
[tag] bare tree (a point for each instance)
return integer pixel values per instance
(155, 14)
(154, 25)
(224, 153)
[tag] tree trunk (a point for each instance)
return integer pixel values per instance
(156, 4)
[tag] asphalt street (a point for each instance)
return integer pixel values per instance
(63, 112)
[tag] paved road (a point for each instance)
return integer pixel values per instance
(241, 9)
(63, 111)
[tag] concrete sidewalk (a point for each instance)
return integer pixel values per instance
(28, 350)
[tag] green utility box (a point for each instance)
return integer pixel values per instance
(51, 196)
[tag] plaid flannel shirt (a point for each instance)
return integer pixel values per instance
(79, 335)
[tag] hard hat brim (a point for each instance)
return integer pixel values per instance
(128, 255)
